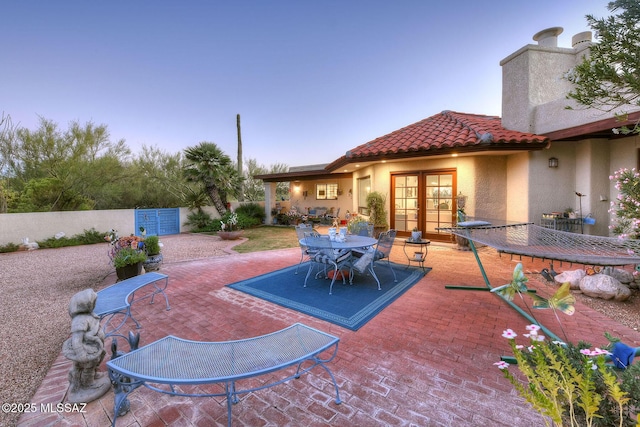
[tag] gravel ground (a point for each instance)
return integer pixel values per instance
(36, 288)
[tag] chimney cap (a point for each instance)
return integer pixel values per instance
(581, 38)
(548, 37)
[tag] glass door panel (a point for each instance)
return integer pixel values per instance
(405, 191)
(439, 190)
(423, 200)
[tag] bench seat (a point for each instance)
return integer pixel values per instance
(117, 299)
(173, 361)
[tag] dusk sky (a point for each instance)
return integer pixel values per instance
(310, 79)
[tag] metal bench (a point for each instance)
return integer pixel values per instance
(117, 299)
(172, 361)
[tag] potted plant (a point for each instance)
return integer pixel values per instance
(376, 202)
(416, 235)
(152, 248)
(357, 223)
(230, 230)
(126, 253)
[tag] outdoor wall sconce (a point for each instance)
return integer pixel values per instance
(553, 162)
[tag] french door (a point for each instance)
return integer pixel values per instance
(423, 200)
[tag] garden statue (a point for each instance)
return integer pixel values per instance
(85, 347)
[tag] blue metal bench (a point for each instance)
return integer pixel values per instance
(171, 361)
(117, 299)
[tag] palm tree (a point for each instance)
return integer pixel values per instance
(211, 167)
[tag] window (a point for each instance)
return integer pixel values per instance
(326, 191)
(364, 188)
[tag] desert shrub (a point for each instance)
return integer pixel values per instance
(88, 237)
(252, 210)
(199, 221)
(9, 247)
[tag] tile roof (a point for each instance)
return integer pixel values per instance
(446, 132)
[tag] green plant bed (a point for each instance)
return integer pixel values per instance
(128, 256)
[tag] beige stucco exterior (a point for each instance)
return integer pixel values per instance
(520, 185)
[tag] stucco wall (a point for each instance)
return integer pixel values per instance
(14, 227)
(303, 203)
(490, 182)
(481, 178)
(592, 180)
(517, 203)
(551, 189)
(526, 83)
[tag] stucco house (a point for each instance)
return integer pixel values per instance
(538, 158)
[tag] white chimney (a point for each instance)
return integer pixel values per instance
(548, 37)
(581, 41)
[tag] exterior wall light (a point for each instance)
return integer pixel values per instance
(553, 162)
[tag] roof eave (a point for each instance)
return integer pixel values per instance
(480, 148)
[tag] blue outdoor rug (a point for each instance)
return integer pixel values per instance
(350, 306)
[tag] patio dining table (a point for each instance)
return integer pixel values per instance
(351, 242)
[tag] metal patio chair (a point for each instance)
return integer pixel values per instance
(301, 229)
(379, 253)
(326, 256)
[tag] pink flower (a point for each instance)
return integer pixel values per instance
(502, 365)
(509, 334)
(595, 352)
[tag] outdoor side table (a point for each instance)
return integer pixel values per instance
(412, 256)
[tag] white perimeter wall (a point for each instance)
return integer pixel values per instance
(14, 227)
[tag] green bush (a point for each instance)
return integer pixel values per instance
(252, 210)
(9, 247)
(128, 256)
(89, 237)
(199, 221)
(152, 245)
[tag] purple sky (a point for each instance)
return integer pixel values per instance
(310, 79)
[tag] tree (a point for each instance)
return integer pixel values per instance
(7, 134)
(254, 188)
(52, 169)
(211, 167)
(164, 183)
(609, 76)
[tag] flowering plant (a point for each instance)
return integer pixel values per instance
(626, 207)
(570, 385)
(231, 222)
(125, 250)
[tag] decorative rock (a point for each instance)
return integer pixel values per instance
(573, 277)
(605, 287)
(620, 275)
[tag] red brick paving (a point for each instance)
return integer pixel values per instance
(426, 360)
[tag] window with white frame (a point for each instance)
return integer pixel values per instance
(326, 191)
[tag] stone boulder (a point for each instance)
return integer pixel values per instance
(573, 277)
(605, 287)
(622, 276)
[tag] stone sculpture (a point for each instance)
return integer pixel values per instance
(85, 347)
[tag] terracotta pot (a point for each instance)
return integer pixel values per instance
(230, 235)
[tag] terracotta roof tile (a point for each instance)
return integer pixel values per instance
(445, 132)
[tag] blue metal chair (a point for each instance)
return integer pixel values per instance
(363, 229)
(326, 256)
(301, 229)
(367, 260)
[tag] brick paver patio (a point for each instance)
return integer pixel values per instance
(426, 360)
